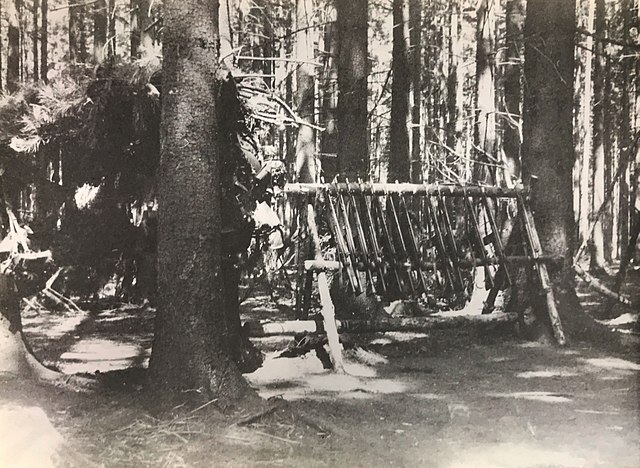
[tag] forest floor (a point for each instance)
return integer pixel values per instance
(457, 398)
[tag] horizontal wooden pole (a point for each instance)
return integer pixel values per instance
(321, 265)
(257, 328)
(446, 190)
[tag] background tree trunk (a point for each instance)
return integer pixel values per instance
(598, 182)
(35, 9)
(511, 138)
(306, 166)
(141, 41)
(13, 47)
(77, 33)
(111, 48)
(485, 136)
(99, 30)
(189, 343)
(44, 39)
(415, 52)
(399, 156)
(353, 69)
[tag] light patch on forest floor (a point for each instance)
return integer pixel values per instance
(546, 373)
(91, 355)
(27, 437)
(612, 363)
(304, 377)
(521, 455)
(546, 397)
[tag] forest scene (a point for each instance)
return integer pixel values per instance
(319, 233)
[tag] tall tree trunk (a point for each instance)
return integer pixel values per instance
(141, 41)
(597, 181)
(584, 157)
(100, 24)
(13, 46)
(189, 343)
(548, 150)
(35, 9)
(627, 152)
(353, 69)
(455, 79)
(111, 33)
(1, 16)
(399, 162)
(485, 137)
(44, 39)
(77, 33)
(306, 166)
(415, 40)
(511, 138)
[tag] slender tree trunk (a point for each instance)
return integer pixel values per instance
(597, 241)
(415, 39)
(189, 343)
(549, 154)
(44, 39)
(353, 69)
(13, 52)
(511, 138)
(306, 166)
(141, 41)
(626, 151)
(455, 79)
(100, 24)
(35, 9)
(111, 35)
(329, 138)
(485, 137)
(1, 22)
(399, 157)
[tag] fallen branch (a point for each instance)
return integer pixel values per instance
(597, 285)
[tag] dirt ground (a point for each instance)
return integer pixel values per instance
(458, 398)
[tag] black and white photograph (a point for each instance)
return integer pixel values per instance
(319, 233)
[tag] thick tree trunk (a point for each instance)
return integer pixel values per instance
(306, 166)
(353, 69)
(511, 138)
(77, 33)
(189, 343)
(100, 25)
(415, 40)
(485, 135)
(44, 39)
(13, 47)
(399, 156)
(548, 151)
(598, 158)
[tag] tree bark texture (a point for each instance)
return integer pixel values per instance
(511, 138)
(77, 34)
(13, 45)
(189, 344)
(399, 156)
(548, 152)
(353, 69)
(306, 167)
(415, 53)
(485, 135)
(44, 39)
(35, 10)
(598, 157)
(100, 25)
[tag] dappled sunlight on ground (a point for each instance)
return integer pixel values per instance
(612, 363)
(517, 455)
(91, 355)
(304, 377)
(546, 373)
(546, 397)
